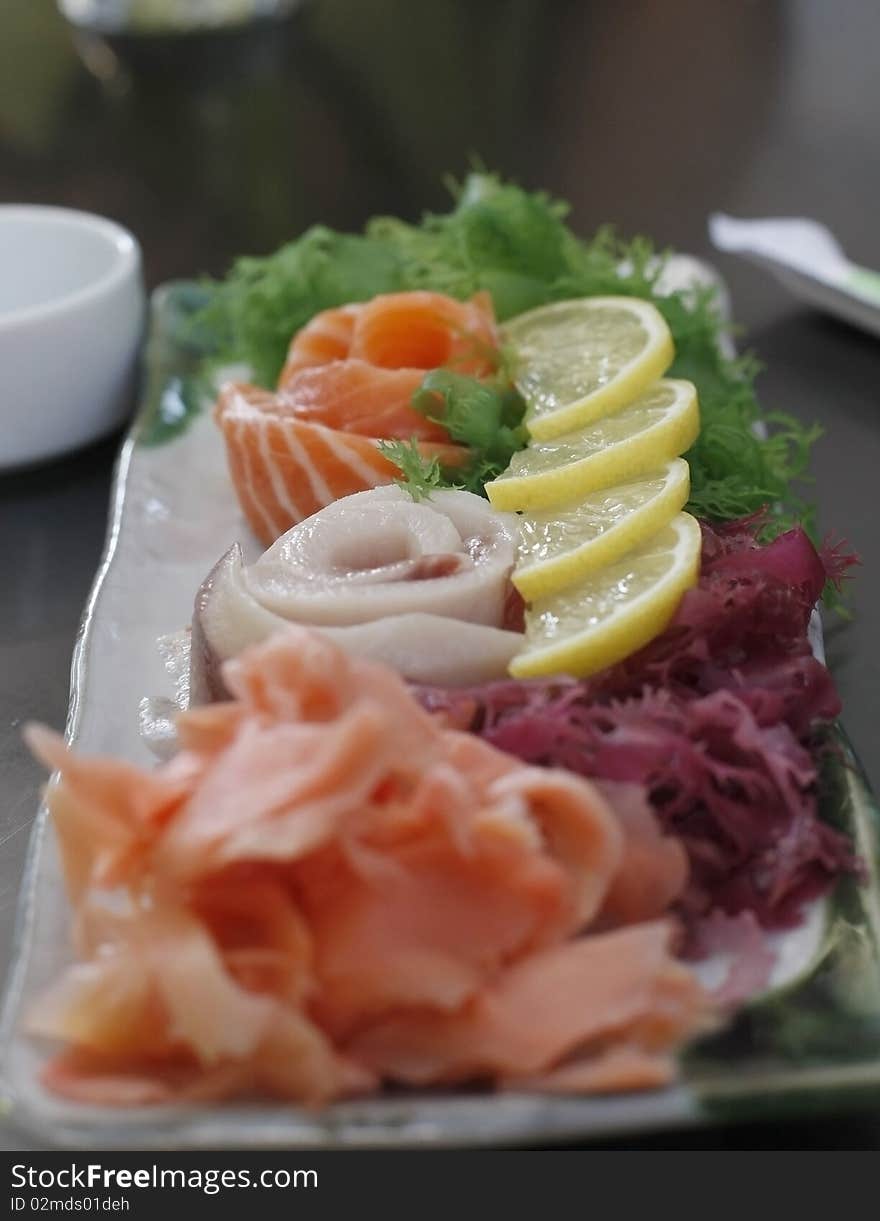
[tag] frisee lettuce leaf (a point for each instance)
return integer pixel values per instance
(484, 415)
(419, 475)
(516, 245)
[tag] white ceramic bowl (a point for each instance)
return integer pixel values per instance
(71, 317)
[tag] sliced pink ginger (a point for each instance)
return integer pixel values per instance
(653, 869)
(571, 998)
(326, 889)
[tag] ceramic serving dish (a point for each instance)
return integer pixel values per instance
(812, 1042)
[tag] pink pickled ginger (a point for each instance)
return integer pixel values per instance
(326, 890)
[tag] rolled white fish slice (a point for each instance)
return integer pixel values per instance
(422, 587)
(430, 649)
(379, 553)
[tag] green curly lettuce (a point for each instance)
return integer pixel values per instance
(516, 245)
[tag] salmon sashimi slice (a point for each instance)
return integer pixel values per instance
(410, 330)
(358, 397)
(326, 337)
(425, 330)
(325, 889)
(347, 385)
(285, 469)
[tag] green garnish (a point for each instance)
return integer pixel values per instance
(420, 476)
(515, 244)
(254, 312)
(486, 416)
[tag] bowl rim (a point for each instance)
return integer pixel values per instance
(127, 261)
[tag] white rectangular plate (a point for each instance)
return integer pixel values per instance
(173, 515)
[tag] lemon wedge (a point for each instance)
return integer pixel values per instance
(576, 361)
(635, 440)
(559, 547)
(615, 611)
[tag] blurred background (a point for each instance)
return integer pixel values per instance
(211, 143)
(232, 135)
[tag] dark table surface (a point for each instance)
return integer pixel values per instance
(649, 115)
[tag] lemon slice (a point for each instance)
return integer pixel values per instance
(616, 610)
(559, 547)
(656, 427)
(578, 360)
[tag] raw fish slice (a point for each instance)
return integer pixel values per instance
(423, 587)
(428, 648)
(348, 383)
(422, 647)
(284, 469)
(326, 337)
(411, 330)
(426, 330)
(357, 397)
(226, 620)
(382, 553)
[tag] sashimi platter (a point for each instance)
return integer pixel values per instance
(451, 756)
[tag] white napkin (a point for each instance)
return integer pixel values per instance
(806, 257)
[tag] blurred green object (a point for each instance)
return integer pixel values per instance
(36, 71)
(169, 16)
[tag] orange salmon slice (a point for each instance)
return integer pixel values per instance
(409, 330)
(284, 468)
(354, 396)
(348, 384)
